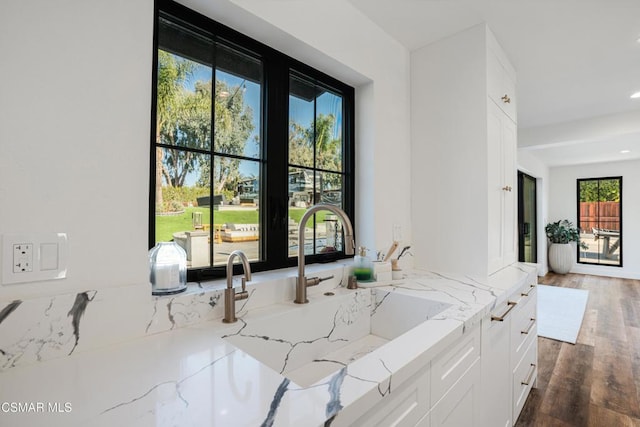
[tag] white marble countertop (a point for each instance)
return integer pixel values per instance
(191, 377)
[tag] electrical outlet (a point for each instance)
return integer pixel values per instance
(33, 257)
(23, 257)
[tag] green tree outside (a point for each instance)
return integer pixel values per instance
(606, 190)
(184, 121)
(172, 74)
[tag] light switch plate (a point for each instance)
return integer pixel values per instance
(32, 257)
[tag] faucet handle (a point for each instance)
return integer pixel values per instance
(313, 281)
(243, 294)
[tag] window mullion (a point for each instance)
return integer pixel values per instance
(212, 160)
(275, 216)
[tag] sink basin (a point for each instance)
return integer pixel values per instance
(308, 342)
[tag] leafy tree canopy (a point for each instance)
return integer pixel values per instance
(606, 190)
(184, 120)
(328, 150)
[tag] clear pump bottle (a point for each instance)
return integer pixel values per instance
(362, 266)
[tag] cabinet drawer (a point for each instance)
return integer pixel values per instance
(524, 375)
(404, 408)
(524, 327)
(460, 406)
(453, 362)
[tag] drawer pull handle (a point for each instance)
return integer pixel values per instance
(511, 304)
(506, 99)
(530, 376)
(526, 294)
(533, 322)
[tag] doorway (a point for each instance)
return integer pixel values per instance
(527, 224)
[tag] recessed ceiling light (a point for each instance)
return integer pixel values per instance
(635, 95)
(625, 151)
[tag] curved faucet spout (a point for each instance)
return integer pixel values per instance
(349, 246)
(245, 267)
(230, 295)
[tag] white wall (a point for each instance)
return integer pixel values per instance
(563, 204)
(75, 104)
(532, 166)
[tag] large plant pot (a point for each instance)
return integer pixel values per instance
(561, 257)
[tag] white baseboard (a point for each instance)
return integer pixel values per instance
(606, 271)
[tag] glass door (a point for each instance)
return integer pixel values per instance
(527, 228)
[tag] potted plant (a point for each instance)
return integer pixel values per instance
(561, 234)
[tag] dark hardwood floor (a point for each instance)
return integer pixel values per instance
(595, 382)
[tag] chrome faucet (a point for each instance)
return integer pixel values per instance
(230, 295)
(302, 282)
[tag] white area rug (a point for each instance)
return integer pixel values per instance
(560, 312)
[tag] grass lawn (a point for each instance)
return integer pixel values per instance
(296, 214)
(169, 224)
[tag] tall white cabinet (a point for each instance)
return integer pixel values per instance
(463, 132)
(502, 184)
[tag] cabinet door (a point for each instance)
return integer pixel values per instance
(501, 86)
(405, 407)
(451, 364)
(501, 162)
(509, 177)
(495, 186)
(496, 369)
(460, 405)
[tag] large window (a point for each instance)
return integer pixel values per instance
(600, 220)
(244, 139)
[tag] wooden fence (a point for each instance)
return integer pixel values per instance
(599, 215)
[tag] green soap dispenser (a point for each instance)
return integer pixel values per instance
(362, 266)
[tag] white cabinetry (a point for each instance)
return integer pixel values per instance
(444, 393)
(463, 137)
(509, 357)
(455, 383)
(481, 378)
(501, 145)
(460, 405)
(496, 362)
(524, 348)
(408, 406)
(501, 82)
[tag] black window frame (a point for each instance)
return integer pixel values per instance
(522, 230)
(579, 222)
(275, 117)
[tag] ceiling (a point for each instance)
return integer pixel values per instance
(575, 59)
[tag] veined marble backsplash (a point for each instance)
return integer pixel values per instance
(39, 329)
